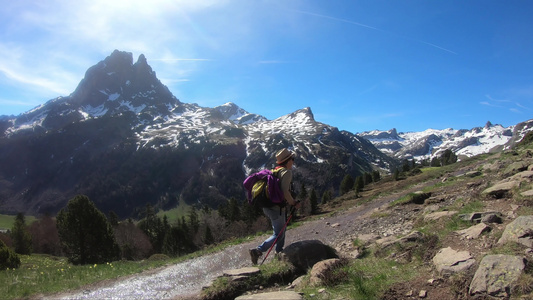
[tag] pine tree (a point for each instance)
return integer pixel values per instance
(314, 202)
(376, 176)
(8, 257)
(396, 175)
(367, 178)
(208, 236)
(359, 184)
(194, 222)
(85, 233)
(154, 228)
(448, 157)
(113, 218)
(346, 184)
(303, 192)
(326, 197)
(21, 236)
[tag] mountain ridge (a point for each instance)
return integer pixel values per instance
(430, 143)
(124, 140)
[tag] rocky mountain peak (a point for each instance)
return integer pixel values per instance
(304, 115)
(231, 111)
(116, 85)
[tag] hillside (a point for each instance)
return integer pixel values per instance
(389, 238)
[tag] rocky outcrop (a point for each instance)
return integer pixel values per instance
(496, 275)
(519, 231)
(501, 189)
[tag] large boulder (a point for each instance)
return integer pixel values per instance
(304, 254)
(496, 275)
(448, 261)
(520, 231)
(516, 167)
(501, 189)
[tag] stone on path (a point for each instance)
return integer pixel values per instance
(496, 275)
(448, 261)
(283, 295)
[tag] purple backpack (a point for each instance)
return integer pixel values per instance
(264, 188)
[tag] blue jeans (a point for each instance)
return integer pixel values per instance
(277, 218)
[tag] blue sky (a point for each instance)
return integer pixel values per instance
(359, 65)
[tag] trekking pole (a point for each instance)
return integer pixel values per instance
(279, 234)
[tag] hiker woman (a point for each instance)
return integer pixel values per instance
(276, 213)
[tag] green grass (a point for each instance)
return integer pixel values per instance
(175, 214)
(365, 278)
(6, 221)
(46, 274)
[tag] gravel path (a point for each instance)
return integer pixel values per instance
(185, 280)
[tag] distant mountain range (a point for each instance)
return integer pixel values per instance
(464, 143)
(124, 140)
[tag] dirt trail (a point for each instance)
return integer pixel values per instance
(185, 280)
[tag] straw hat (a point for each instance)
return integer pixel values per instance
(283, 155)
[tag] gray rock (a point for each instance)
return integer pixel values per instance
(526, 175)
(501, 189)
(516, 167)
(283, 295)
(492, 218)
(304, 254)
(520, 231)
(472, 174)
(431, 208)
(487, 217)
(496, 275)
(475, 231)
(448, 261)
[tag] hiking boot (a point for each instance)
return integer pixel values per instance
(255, 254)
(278, 255)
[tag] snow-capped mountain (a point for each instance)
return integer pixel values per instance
(432, 143)
(124, 140)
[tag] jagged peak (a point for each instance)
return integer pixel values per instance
(119, 59)
(305, 112)
(141, 60)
